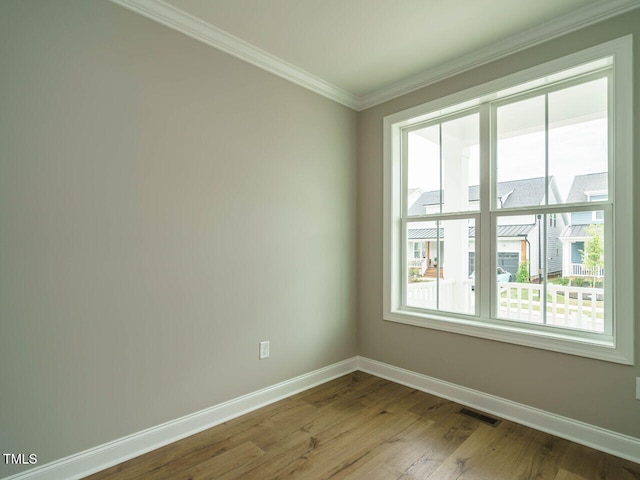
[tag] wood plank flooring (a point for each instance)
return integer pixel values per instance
(362, 427)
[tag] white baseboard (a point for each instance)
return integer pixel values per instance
(601, 439)
(104, 456)
(112, 453)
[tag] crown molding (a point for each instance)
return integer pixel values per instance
(200, 30)
(562, 25)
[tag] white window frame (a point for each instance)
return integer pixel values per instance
(615, 347)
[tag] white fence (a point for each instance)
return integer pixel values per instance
(420, 263)
(573, 307)
(425, 295)
(579, 270)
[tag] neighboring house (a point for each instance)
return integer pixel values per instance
(518, 235)
(585, 188)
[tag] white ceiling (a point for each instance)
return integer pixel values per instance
(363, 52)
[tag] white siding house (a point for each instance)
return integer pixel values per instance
(585, 188)
(519, 236)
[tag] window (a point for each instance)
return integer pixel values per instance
(598, 215)
(520, 208)
(418, 249)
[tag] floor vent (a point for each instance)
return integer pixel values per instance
(480, 416)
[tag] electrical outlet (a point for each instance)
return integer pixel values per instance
(264, 349)
(637, 388)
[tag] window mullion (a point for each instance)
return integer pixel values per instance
(609, 265)
(543, 247)
(403, 265)
(545, 273)
(546, 149)
(438, 228)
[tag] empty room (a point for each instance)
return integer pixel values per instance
(313, 239)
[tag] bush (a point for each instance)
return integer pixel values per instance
(579, 281)
(564, 281)
(414, 272)
(522, 276)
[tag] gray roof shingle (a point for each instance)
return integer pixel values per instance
(575, 231)
(591, 182)
(519, 193)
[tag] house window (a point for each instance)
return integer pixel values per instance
(506, 182)
(418, 249)
(598, 215)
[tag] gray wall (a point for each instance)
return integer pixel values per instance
(163, 208)
(595, 392)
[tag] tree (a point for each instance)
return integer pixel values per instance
(593, 253)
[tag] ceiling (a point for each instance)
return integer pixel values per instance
(363, 52)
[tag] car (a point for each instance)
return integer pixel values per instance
(501, 274)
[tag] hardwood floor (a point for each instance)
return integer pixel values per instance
(363, 427)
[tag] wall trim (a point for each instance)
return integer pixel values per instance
(617, 444)
(172, 17)
(109, 454)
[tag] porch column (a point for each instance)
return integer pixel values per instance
(426, 256)
(566, 259)
(455, 161)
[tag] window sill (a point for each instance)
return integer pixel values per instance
(599, 349)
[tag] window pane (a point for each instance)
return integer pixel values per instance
(560, 284)
(521, 153)
(440, 280)
(578, 142)
(575, 295)
(518, 257)
(423, 170)
(444, 167)
(423, 269)
(461, 164)
(456, 292)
